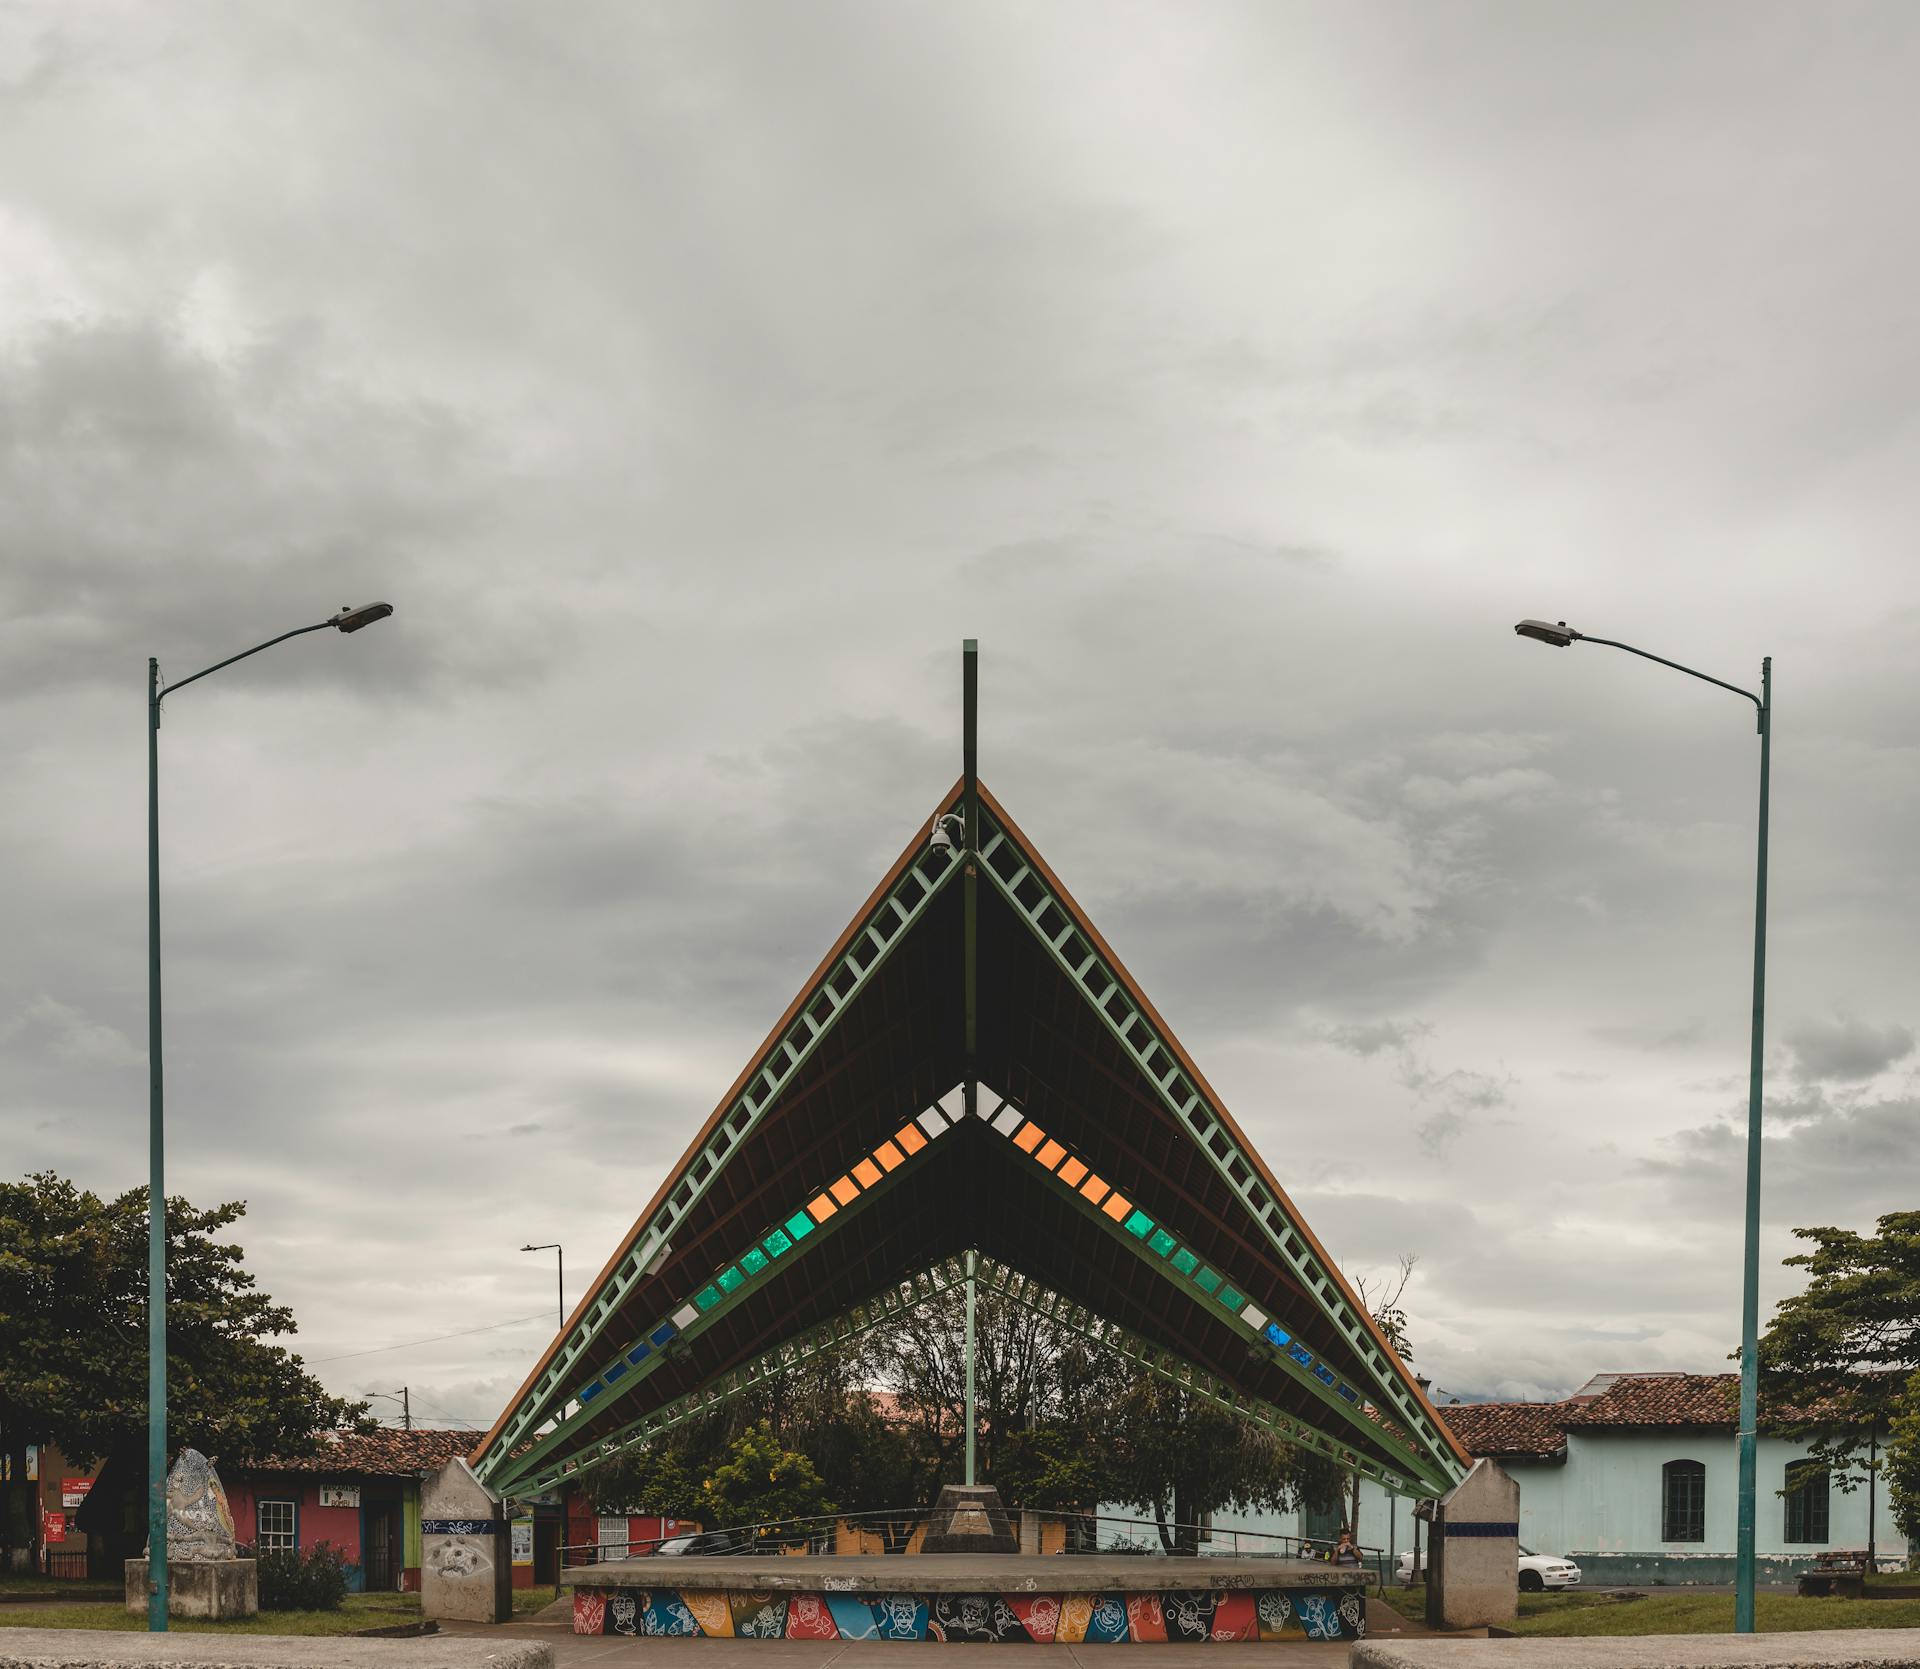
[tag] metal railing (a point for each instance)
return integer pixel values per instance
(1086, 1533)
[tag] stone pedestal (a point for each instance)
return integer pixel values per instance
(968, 1518)
(466, 1567)
(1473, 1558)
(217, 1589)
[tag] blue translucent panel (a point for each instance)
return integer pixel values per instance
(1278, 1334)
(639, 1353)
(1300, 1354)
(1349, 1393)
(1323, 1373)
(617, 1371)
(663, 1333)
(589, 1392)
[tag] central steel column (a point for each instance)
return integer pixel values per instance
(970, 893)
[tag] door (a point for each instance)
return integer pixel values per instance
(546, 1550)
(381, 1570)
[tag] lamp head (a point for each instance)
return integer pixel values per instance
(352, 619)
(1558, 633)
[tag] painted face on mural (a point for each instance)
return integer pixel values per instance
(458, 1559)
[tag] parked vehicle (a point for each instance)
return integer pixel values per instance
(1538, 1571)
(707, 1542)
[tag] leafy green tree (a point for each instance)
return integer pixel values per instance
(762, 1482)
(73, 1335)
(1840, 1361)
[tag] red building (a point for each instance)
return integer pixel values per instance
(359, 1493)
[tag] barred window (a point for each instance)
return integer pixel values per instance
(1806, 1501)
(1683, 1497)
(274, 1524)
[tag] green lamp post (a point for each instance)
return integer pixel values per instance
(347, 620)
(1560, 635)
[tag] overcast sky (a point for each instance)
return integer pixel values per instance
(693, 378)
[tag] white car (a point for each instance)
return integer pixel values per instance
(1538, 1571)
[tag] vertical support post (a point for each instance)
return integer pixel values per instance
(1750, 1287)
(560, 1286)
(1873, 1512)
(972, 1422)
(156, 1196)
(970, 892)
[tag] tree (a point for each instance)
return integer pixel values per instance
(762, 1482)
(1840, 1361)
(73, 1335)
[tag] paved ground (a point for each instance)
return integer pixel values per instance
(577, 1651)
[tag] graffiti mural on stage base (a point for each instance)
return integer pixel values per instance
(1242, 1614)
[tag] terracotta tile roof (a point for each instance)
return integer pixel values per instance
(1528, 1429)
(385, 1453)
(1658, 1399)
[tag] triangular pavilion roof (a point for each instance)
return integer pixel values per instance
(1096, 1172)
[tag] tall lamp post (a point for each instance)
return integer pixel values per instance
(559, 1275)
(347, 620)
(1560, 635)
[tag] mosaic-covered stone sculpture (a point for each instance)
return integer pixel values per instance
(199, 1521)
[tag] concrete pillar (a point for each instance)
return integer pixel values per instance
(466, 1565)
(1473, 1557)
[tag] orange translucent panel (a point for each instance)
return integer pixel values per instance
(1051, 1155)
(1093, 1188)
(909, 1137)
(1117, 1206)
(844, 1190)
(1029, 1138)
(890, 1156)
(821, 1208)
(1071, 1172)
(866, 1173)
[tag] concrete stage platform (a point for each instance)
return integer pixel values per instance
(1064, 1599)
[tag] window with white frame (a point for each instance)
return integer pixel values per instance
(274, 1525)
(613, 1539)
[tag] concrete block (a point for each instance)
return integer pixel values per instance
(1839, 1648)
(466, 1573)
(217, 1589)
(1473, 1578)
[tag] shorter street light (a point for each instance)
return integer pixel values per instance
(1560, 635)
(559, 1275)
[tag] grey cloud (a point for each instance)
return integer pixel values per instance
(672, 371)
(1845, 1050)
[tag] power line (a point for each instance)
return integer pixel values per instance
(467, 1332)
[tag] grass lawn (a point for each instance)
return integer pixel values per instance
(1670, 1612)
(360, 1611)
(15, 1583)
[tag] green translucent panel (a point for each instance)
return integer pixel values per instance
(731, 1280)
(707, 1298)
(1161, 1243)
(754, 1261)
(799, 1225)
(1235, 1301)
(1206, 1280)
(777, 1243)
(1139, 1225)
(1185, 1261)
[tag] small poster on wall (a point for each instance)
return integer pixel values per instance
(53, 1525)
(73, 1491)
(522, 1541)
(339, 1495)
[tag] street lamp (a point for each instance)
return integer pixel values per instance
(559, 1275)
(1561, 635)
(347, 620)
